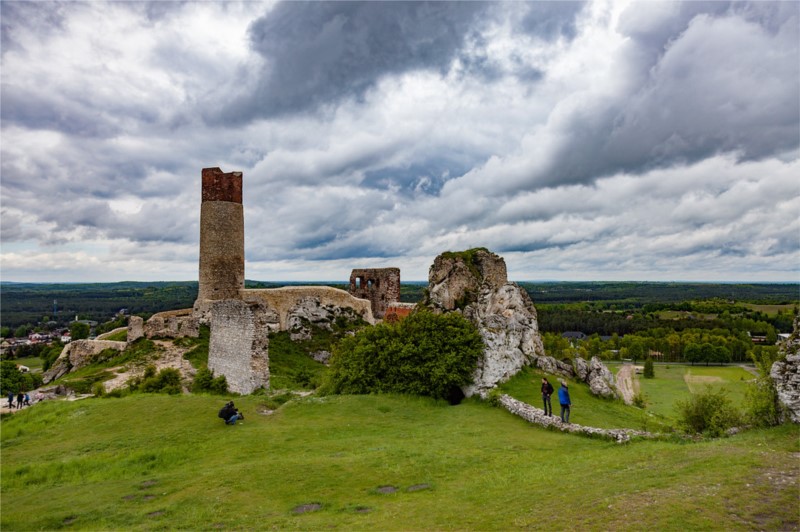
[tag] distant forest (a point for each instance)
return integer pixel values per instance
(592, 307)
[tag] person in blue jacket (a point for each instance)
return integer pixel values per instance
(563, 398)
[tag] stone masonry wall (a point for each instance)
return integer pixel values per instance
(172, 324)
(221, 273)
(381, 286)
(239, 347)
(283, 300)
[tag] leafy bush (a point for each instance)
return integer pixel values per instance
(168, 380)
(425, 354)
(709, 412)
(198, 355)
(204, 381)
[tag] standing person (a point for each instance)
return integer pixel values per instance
(27, 400)
(563, 398)
(10, 400)
(547, 391)
(20, 399)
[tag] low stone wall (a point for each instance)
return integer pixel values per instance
(537, 416)
(239, 347)
(172, 324)
(78, 354)
(284, 300)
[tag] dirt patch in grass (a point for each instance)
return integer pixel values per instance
(305, 508)
(418, 487)
(386, 489)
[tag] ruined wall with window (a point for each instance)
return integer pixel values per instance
(381, 286)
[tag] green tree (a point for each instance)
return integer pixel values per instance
(5, 332)
(425, 354)
(21, 331)
(763, 408)
(78, 330)
(649, 371)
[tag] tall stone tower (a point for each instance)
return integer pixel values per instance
(221, 239)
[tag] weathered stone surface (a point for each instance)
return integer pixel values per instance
(135, 328)
(381, 286)
(600, 379)
(581, 368)
(554, 366)
(475, 283)
(239, 346)
(309, 311)
(537, 416)
(285, 300)
(78, 354)
(786, 375)
(173, 324)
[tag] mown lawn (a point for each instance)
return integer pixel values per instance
(673, 383)
(147, 462)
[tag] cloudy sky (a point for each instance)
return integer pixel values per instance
(580, 141)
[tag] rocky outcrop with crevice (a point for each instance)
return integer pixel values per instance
(786, 375)
(475, 284)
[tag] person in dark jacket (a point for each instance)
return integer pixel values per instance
(230, 414)
(547, 391)
(563, 398)
(20, 399)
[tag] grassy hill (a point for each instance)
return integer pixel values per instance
(148, 462)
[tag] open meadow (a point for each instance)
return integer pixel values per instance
(378, 462)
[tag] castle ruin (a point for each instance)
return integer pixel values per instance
(381, 286)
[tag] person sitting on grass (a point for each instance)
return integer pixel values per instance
(230, 414)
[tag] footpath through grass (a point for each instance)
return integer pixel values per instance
(149, 462)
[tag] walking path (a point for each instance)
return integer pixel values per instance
(626, 377)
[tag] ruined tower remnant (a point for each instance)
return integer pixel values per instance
(239, 346)
(381, 286)
(221, 239)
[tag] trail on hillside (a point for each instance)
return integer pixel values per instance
(169, 356)
(626, 383)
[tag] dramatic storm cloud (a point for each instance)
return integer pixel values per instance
(580, 140)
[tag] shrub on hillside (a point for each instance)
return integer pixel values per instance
(763, 408)
(425, 354)
(168, 380)
(204, 381)
(709, 412)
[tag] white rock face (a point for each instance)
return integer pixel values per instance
(786, 375)
(476, 285)
(310, 311)
(600, 379)
(554, 366)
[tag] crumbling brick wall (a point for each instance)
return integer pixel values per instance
(239, 346)
(381, 286)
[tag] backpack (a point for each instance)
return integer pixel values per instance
(221, 414)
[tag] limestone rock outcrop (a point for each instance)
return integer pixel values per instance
(309, 311)
(599, 378)
(475, 283)
(78, 354)
(554, 366)
(786, 375)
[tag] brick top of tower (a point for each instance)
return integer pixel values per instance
(219, 186)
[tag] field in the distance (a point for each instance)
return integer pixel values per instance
(149, 462)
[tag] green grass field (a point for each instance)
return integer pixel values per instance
(148, 462)
(673, 383)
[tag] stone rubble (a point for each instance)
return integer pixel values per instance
(538, 417)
